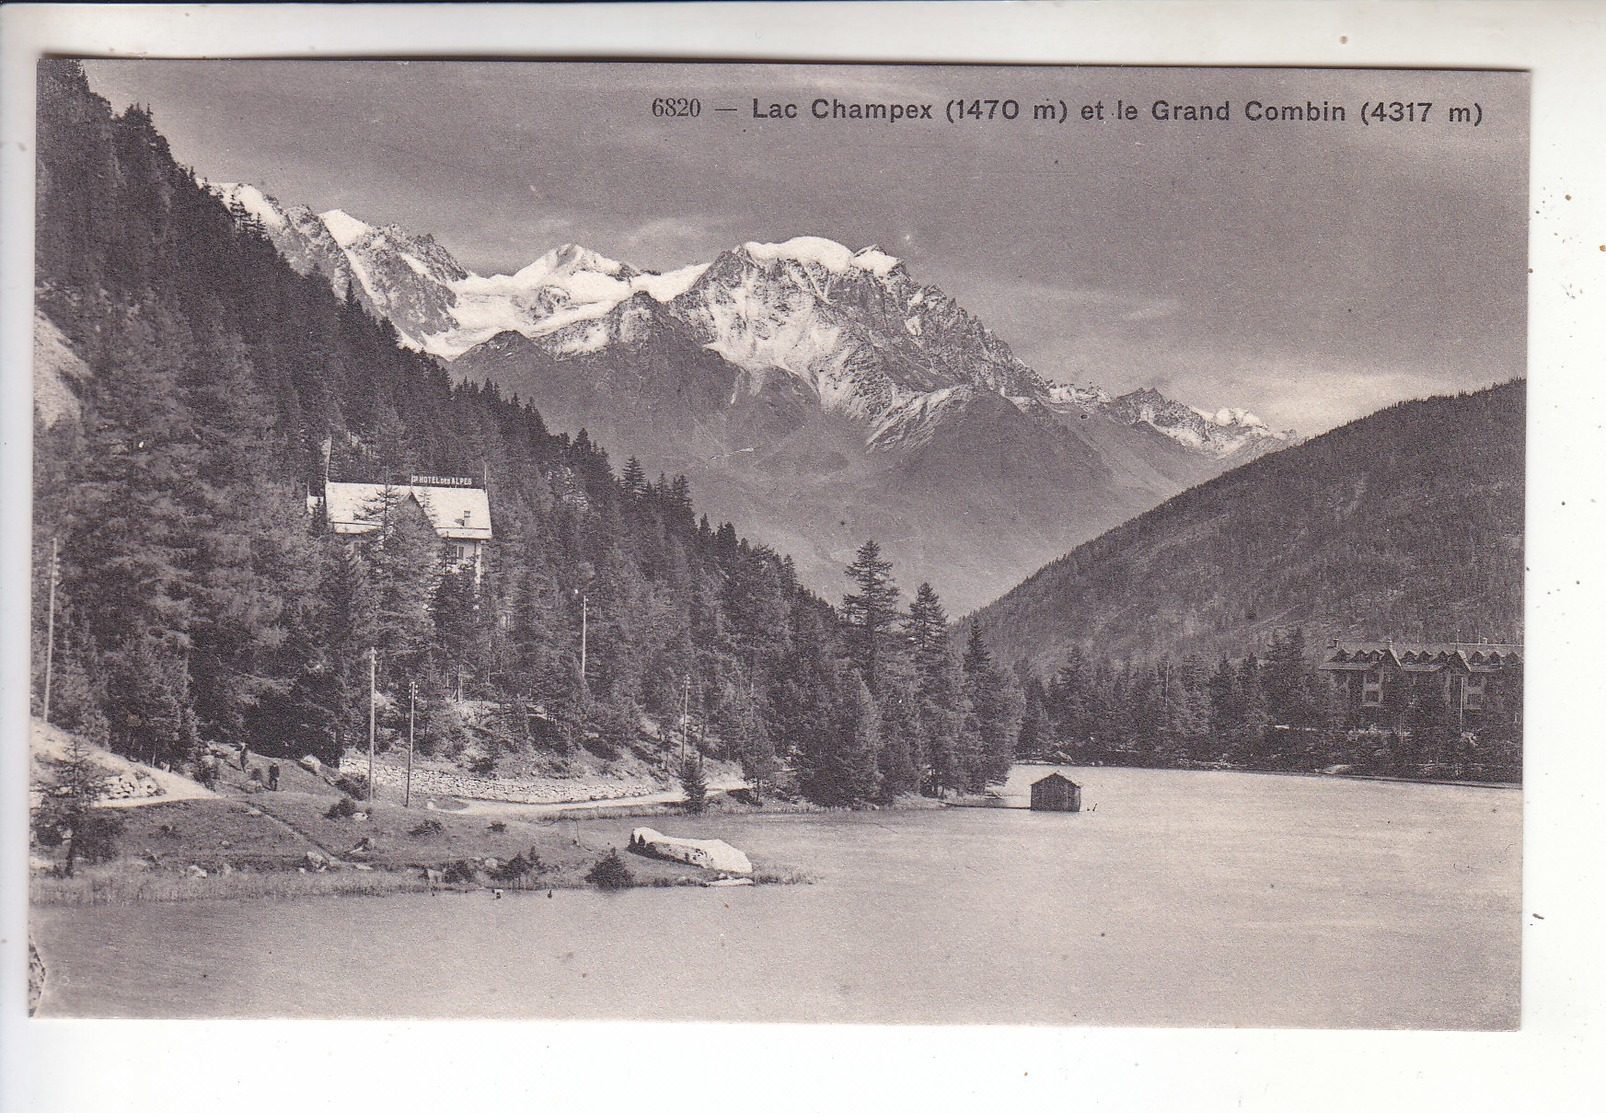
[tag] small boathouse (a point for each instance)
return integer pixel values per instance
(1056, 793)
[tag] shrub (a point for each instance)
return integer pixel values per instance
(345, 808)
(204, 771)
(427, 829)
(458, 872)
(497, 827)
(355, 787)
(520, 866)
(611, 873)
(49, 831)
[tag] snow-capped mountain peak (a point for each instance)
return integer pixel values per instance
(1233, 417)
(823, 253)
(1082, 395)
(570, 259)
(850, 327)
(346, 229)
(251, 200)
(1224, 433)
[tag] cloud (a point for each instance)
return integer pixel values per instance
(665, 238)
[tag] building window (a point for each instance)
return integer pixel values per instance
(1372, 687)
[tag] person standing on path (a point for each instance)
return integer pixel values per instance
(273, 776)
(245, 755)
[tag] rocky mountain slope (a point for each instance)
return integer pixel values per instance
(1405, 524)
(815, 394)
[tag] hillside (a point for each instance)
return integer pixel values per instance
(814, 394)
(1405, 524)
(198, 394)
(196, 390)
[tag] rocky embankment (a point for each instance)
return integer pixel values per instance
(432, 782)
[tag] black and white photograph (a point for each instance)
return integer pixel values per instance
(779, 542)
(1009, 523)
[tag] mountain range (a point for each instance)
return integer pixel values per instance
(1406, 524)
(814, 394)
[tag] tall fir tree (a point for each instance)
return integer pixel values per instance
(870, 611)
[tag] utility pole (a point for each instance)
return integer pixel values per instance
(412, 704)
(373, 670)
(685, 715)
(50, 625)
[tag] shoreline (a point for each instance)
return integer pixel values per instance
(216, 848)
(220, 850)
(1439, 781)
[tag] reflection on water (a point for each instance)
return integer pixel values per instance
(1175, 898)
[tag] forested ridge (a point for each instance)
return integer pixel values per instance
(1407, 523)
(1192, 634)
(198, 600)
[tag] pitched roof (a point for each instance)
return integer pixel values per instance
(1056, 776)
(454, 513)
(1420, 656)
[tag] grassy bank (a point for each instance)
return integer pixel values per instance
(121, 883)
(291, 844)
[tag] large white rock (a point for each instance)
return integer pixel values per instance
(706, 853)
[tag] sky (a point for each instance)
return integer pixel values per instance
(1311, 272)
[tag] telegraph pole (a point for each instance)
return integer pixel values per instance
(685, 722)
(373, 670)
(583, 618)
(412, 704)
(50, 625)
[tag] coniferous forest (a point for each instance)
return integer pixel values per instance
(211, 391)
(1270, 709)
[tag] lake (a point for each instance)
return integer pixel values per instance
(1174, 898)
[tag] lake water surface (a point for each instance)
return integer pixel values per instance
(1174, 898)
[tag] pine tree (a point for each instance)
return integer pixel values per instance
(978, 659)
(67, 811)
(858, 776)
(870, 613)
(693, 783)
(950, 753)
(901, 758)
(994, 715)
(1226, 707)
(747, 735)
(1254, 717)
(1285, 681)
(403, 554)
(634, 481)
(927, 632)
(1070, 699)
(1036, 737)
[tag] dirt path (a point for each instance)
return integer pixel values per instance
(51, 744)
(498, 809)
(300, 835)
